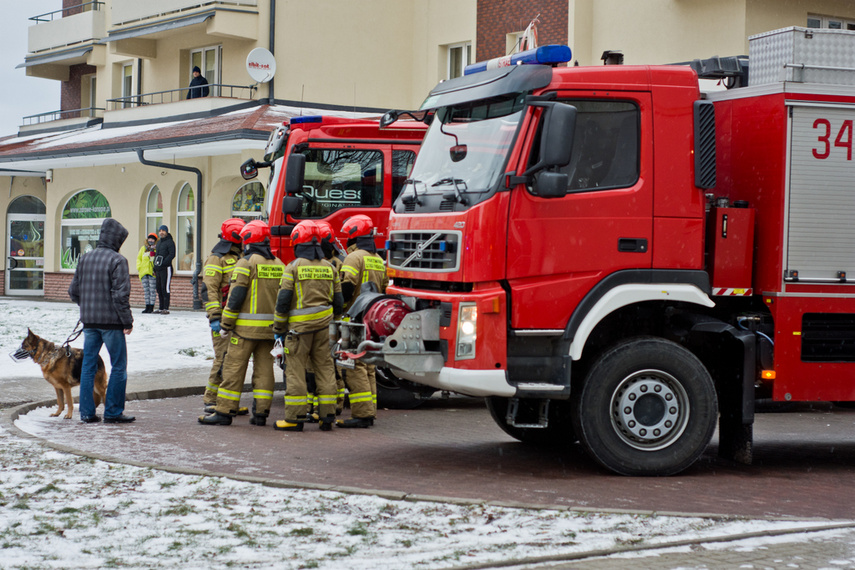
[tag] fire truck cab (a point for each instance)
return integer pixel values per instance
(610, 256)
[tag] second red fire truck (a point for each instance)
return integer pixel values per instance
(611, 257)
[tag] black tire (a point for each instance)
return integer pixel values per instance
(559, 430)
(394, 395)
(648, 406)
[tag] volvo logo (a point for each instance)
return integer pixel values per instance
(420, 248)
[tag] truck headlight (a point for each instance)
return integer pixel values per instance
(467, 327)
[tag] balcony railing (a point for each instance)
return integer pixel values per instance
(68, 11)
(92, 112)
(174, 95)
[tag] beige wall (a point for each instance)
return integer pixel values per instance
(766, 15)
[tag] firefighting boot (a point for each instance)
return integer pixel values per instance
(210, 408)
(216, 419)
(285, 425)
(326, 422)
(258, 419)
(354, 423)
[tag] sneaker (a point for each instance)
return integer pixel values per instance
(354, 423)
(285, 425)
(164, 312)
(216, 419)
(90, 419)
(157, 312)
(122, 419)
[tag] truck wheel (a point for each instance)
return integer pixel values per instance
(559, 430)
(647, 407)
(392, 394)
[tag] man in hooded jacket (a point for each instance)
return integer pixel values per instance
(102, 288)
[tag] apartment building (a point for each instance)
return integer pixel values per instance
(126, 141)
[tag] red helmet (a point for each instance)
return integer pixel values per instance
(230, 230)
(255, 232)
(304, 232)
(357, 226)
(325, 231)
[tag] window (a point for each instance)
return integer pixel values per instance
(459, 56)
(81, 225)
(338, 179)
(402, 167)
(830, 22)
(605, 146)
(127, 85)
(184, 229)
(248, 203)
(153, 210)
(208, 60)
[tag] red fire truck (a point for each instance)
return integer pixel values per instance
(341, 167)
(611, 257)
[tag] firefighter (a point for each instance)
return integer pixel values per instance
(361, 267)
(309, 297)
(334, 254)
(248, 317)
(216, 275)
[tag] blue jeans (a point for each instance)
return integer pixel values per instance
(114, 405)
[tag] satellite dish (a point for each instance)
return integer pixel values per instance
(261, 65)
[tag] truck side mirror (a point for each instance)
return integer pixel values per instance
(249, 169)
(292, 205)
(556, 143)
(295, 173)
(551, 184)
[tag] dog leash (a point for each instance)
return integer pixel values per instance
(72, 337)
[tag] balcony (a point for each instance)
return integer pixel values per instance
(61, 120)
(128, 11)
(174, 103)
(67, 27)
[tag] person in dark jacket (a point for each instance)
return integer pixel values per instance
(164, 253)
(198, 85)
(101, 287)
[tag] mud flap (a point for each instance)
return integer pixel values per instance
(735, 379)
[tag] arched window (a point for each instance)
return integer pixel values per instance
(248, 203)
(185, 229)
(26, 205)
(81, 225)
(153, 210)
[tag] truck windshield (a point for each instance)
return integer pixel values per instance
(465, 149)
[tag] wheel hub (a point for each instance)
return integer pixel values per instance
(649, 409)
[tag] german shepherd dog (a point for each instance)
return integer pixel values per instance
(61, 367)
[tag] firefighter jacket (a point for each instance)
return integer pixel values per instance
(252, 295)
(361, 266)
(216, 276)
(309, 296)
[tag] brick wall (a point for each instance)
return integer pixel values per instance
(496, 18)
(56, 289)
(70, 92)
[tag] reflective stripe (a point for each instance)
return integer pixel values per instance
(228, 313)
(313, 317)
(254, 317)
(211, 305)
(213, 387)
(360, 397)
(310, 310)
(242, 270)
(228, 394)
(252, 323)
(326, 399)
(253, 297)
(349, 269)
(295, 400)
(216, 268)
(278, 319)
(288, 276)
(341, 392)
(262, 394)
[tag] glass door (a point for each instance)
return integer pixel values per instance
(25, 253)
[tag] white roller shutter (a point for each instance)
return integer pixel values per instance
(821, 228)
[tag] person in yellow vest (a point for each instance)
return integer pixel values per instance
(216, 276)
(248, 318)
(361, 267)
(309, 297)
(145, 268)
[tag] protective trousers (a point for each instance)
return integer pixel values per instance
(215, 378)
(234, 373)
(302, 350)
(362, 388)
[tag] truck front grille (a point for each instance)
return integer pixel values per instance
(425, 251)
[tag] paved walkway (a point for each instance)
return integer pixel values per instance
(452, 449)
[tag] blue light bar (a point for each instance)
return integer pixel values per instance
(306, 119)
(544, 55)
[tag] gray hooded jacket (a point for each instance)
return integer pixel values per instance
(102, 282)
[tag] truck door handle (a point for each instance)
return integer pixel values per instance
(637, 245)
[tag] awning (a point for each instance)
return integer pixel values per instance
(161, 26)
(55, 56)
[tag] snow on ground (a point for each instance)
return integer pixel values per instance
(181, 339)
(59, 510)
